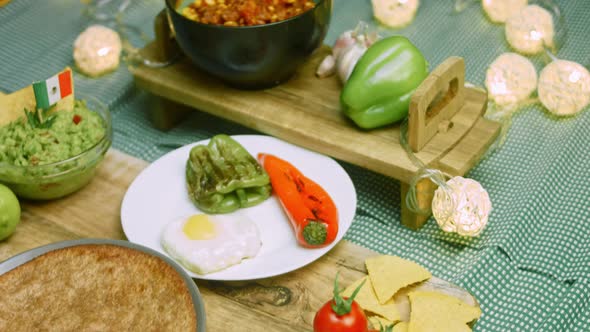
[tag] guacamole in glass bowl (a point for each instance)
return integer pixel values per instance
(47, 163)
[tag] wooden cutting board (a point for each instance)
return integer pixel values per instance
(283, 303)
(306, 111)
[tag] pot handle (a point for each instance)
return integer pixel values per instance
(166, 47)
(438, 98)
(164, 51)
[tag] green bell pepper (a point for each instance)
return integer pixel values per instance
(381, 85)
(223, 177)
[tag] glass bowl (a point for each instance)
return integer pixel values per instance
(58, 179)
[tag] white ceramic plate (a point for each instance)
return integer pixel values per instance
(158, 196)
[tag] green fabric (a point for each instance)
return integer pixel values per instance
(530, 269)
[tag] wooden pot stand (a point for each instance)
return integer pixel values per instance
(445, 127)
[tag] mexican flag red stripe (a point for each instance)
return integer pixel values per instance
(53, 89)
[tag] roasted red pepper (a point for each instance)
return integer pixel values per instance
(310, 209)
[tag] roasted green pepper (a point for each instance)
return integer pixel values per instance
(379, 89)
(223, 177)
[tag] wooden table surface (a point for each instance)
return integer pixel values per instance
(283, 303)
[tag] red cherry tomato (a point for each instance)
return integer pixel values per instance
(326, 320)
(341, 314)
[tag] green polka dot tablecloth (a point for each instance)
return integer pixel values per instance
(530, 269)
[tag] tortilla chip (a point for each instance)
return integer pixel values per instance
(438, 312)
(391, 273)
(401, 327)
(367, 299)
(377, 322)
(12, 105)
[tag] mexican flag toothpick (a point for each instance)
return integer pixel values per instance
(53, 89)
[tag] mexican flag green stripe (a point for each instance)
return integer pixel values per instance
(53, 89)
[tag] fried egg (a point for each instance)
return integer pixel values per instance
(209, 243)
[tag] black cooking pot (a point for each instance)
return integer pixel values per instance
(252, 57)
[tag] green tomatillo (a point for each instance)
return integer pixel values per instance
(381, 85)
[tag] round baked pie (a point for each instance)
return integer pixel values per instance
(98, 287)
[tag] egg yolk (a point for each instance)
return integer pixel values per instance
(199, 227)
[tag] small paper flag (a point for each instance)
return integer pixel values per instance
(53, 89)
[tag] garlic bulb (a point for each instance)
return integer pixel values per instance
(348, 49)
(327, 67)
(462, 207)
(347, 60)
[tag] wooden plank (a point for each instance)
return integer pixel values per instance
(32, 232)
(304, 111)
(165, 113)
(424, 194)
(471, 148)
(426, 112)
(284, 303)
